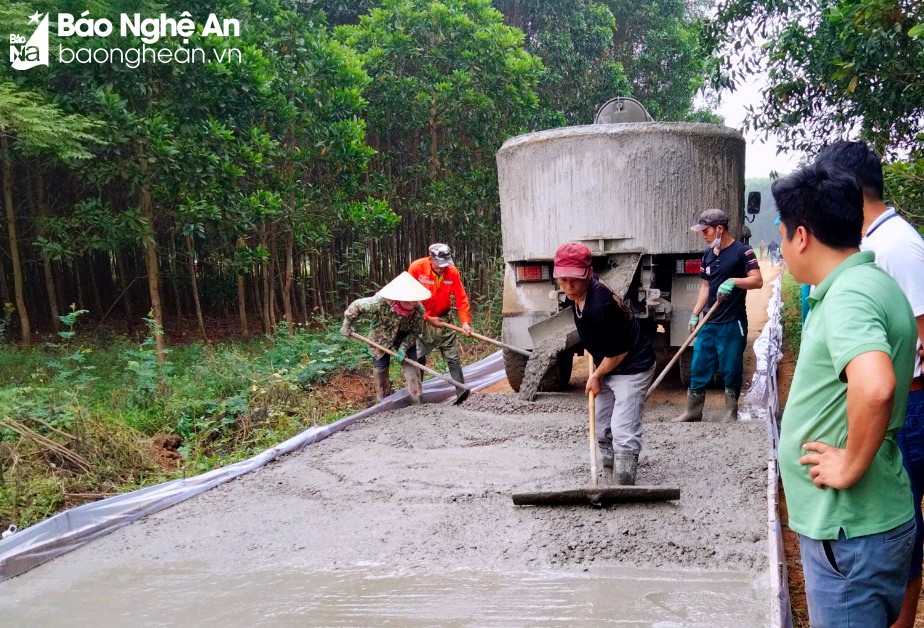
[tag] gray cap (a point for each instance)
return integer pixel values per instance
(440, 254)
(710, 218)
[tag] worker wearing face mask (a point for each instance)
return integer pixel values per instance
(729, 269)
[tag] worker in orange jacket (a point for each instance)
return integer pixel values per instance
(438, 274)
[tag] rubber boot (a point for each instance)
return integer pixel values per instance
(414, 387)
(381, 382)
(606, 452)
(694, 411)
(625, 466)
(731, 405)
(455, 372)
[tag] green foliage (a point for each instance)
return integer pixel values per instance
(836, 68)
(904, 184)
(67, 362)
(5, 318)
(40, 127)
(574, 40)
(145, 375)
(792, 315)
(663, 52)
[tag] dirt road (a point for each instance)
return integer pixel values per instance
(400, 513)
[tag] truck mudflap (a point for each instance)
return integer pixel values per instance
(561, 324)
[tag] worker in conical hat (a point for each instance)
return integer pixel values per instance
(397, 318)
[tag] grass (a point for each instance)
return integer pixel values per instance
(792, 315)
(112, 408)
(106, 406)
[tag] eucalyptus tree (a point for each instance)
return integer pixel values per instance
(450, 82)
(33, 127)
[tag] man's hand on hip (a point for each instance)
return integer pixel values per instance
(829, 466)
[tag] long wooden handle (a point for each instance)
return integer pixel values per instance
(590, 433)
(680, 351)
(426, 369)
(503, 345)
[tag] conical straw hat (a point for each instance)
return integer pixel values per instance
(404, 288)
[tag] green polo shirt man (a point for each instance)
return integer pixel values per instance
(857, 309)
(848, 495)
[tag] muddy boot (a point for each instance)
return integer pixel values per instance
(414, 387)
(625, 466)
(455, 372)
(731, 405)
(381, 382)
(606, 452)
(694, 411)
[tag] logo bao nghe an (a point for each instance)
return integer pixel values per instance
(28, 53)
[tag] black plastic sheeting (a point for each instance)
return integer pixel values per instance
(72, 528)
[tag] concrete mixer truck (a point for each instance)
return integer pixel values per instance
(629, 188)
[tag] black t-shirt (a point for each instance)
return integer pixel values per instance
(734, 261)
(607, 330)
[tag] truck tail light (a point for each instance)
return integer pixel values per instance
(689, 266)
(533, 272)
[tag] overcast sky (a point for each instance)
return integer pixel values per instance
(761, 157)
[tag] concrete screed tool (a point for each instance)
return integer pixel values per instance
(462, 391)
(594, 494)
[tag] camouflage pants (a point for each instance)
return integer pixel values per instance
(439, 338)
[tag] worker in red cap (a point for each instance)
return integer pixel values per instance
(624, 360)
(439, 275)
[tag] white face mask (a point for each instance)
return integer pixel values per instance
(715, 243)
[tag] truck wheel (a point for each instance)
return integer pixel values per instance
(559, 375)
(515, 367)
(555, 380)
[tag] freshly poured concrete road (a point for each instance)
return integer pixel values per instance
(406, 519)
(421, 496)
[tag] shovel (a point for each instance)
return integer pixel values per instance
(682, 348)
(502, 345)
(463, 390)
(594, 494)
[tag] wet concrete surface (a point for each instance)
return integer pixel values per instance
(366, 595)
(421, 496)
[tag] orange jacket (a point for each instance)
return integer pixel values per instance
(441, 288)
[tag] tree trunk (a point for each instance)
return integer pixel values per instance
(151, 266)
(124, 284)
(191, 253)
(242, 297)
(287, 284)
(41, 208)
(302, 289)
(4, 288)
(267, 299)
(92, 266)
(7, 158)
(174, 284)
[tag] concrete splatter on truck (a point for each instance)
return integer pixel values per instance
(627, 188)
